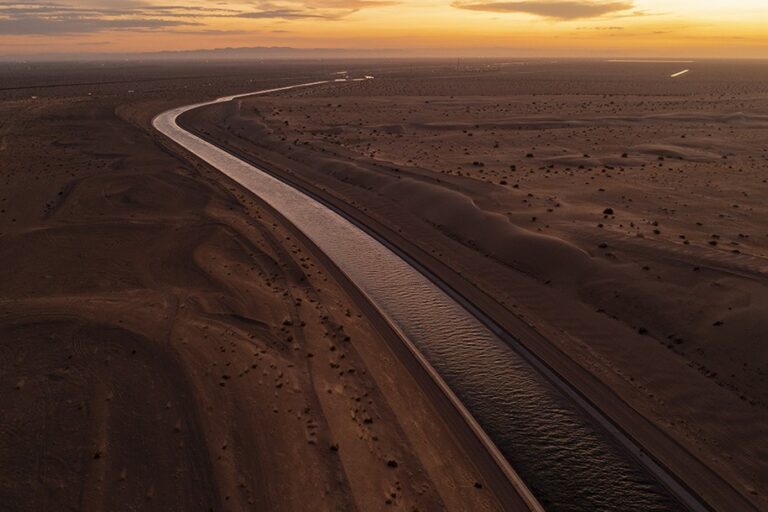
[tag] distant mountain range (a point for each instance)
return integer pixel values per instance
(247, 53)
(283, 53)
(289, 53)
(274, 52)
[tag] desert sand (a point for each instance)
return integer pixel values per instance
(168, 342)
(615, 211)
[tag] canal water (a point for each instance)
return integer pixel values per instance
(569, 462)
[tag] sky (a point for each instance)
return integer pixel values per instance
(575, 28)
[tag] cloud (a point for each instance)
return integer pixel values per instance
(215, 32)
(51, 18)
(283, 14)
(600, 28)
(30, 17)
(555, 9)
(351, 4)
(307, 9)
(34, 25)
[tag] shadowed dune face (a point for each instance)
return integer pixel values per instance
(121, 196)
(490, 232)
(620, 212)
(458, 216)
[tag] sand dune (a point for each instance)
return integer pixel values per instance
(552, 123)
(457, 215)
(675, 151)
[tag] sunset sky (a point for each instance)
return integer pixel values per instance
(695, 28)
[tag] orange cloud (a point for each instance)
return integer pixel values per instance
(557, 9)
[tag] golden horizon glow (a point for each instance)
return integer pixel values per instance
(600, 28)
